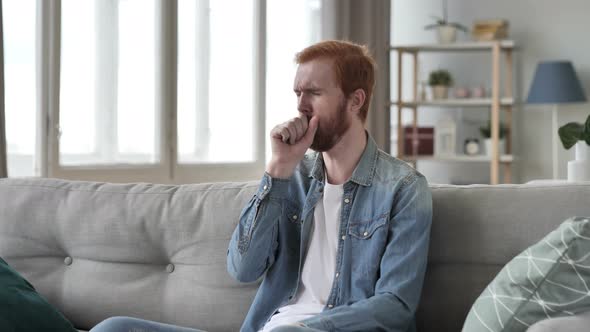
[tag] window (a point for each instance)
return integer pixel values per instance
(215, 90)
(107, 92)
(169, 91)
(19, 76)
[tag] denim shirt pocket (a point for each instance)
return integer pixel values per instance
(368, 239)
(364, 230)
(290, 229)
(293, 214)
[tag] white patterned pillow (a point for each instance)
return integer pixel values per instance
(549, 279)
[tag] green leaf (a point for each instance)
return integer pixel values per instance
(486, 131)
(459, 26)
(587, 131)
(439, 21)
(431, 26)
(440, 77)
(570, 134)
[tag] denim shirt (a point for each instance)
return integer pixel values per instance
(382, 248)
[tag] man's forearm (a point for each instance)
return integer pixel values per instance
(383, 311)
(280, 170)
(251, 248)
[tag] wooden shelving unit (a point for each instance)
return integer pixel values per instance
(455, 102)
(496, 102)
(506, 158)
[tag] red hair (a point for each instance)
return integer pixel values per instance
(353, 65)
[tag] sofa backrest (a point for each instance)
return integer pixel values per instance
(158, 252)
(476, 230)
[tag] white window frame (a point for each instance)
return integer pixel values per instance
(167, 170)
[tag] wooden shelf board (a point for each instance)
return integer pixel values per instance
(455, 47)
(507, 158)
(453, 102)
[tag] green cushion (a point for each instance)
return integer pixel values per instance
(22, 309)
(549, 279)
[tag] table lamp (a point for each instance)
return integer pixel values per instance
(555, 82)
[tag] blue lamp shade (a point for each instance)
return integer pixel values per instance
(555, 82)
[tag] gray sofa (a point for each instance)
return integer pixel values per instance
(96, 250)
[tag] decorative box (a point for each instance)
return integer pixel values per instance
(419, 142)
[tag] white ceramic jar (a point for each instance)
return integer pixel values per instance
(579, 169)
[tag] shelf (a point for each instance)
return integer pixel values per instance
(466, 102)
(455, 47)
(506, 158)
(497, 49)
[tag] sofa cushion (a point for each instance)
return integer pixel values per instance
(22, 309)
(96, 250)
(576, 323)
(549, 279)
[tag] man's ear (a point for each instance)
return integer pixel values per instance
(357, 100)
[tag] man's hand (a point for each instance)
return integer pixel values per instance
(289, 142)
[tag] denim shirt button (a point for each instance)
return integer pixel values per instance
(343, 237)
(265, 186)
(294, 217)
(330, 306)
(365, 233)
(337, 274)
(346, 200)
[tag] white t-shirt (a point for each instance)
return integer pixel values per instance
(320, 263)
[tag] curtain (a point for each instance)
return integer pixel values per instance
(368, 23)
(3, 163)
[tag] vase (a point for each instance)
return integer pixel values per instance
(440, 92)
(488, 146)
(579, 169)
(446, 34)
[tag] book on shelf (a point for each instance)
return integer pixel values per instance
(419, 142)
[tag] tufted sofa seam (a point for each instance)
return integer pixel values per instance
(506, 187)
(134, 193)
(74, 258)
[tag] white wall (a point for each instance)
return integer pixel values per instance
(543, 30)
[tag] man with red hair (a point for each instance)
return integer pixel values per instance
(341, 234)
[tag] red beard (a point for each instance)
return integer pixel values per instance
(330, 132)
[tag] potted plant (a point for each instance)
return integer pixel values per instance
(446, 31)
(439, 81)
(578, 134)
(486, 132)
